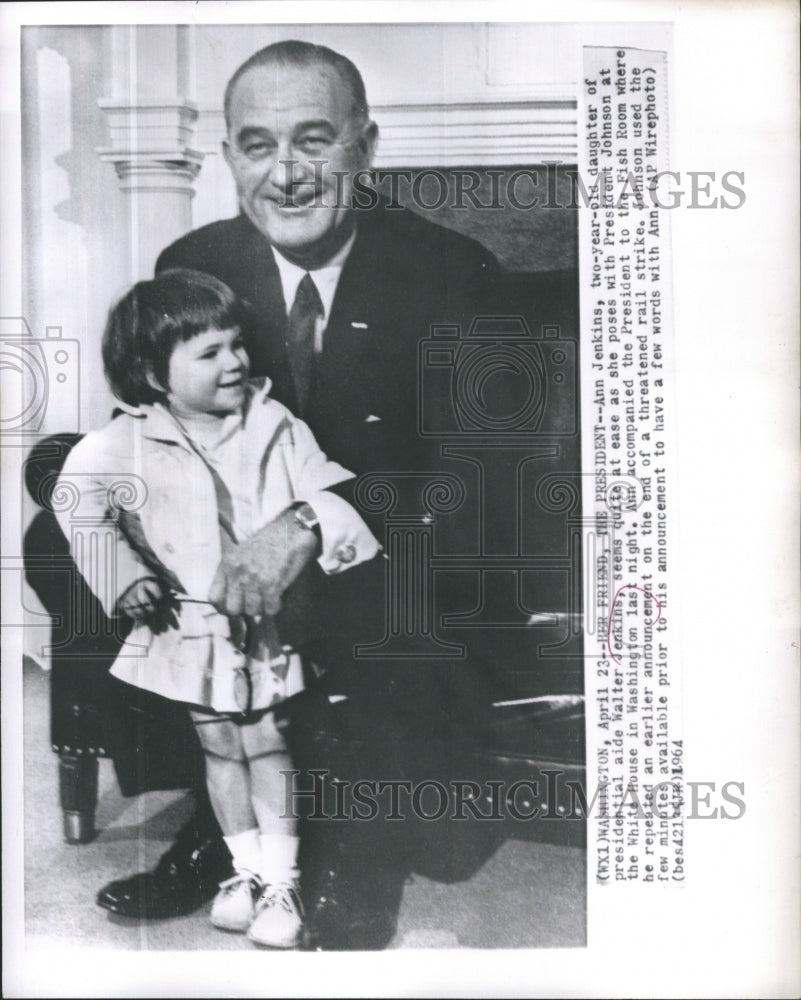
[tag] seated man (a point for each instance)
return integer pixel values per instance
(343, 287)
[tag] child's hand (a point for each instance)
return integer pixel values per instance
(140, 600)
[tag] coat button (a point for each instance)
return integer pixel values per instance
(346, 554)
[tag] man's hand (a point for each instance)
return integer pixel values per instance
(252, 577)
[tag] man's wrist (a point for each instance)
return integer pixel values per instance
(306, 518)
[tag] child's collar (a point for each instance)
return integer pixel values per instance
(257, 389)
(162, 425)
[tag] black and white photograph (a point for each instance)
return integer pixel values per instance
(421, 685)
(362, 572)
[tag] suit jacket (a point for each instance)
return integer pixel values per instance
(402, 276)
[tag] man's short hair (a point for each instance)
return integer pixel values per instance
(302, 55)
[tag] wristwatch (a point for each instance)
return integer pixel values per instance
(306, 518)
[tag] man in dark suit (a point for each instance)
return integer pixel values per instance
(316, 250)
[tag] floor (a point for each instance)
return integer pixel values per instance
(526, 895)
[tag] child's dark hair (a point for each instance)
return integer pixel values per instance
(149, 320)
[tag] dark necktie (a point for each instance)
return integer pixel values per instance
(300, 338)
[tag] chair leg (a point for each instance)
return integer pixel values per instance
(77, 781)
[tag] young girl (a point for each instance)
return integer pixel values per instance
(214, 459)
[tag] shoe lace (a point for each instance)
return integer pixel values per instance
(230, 884)
(283, 894)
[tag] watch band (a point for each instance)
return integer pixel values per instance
(306, 518)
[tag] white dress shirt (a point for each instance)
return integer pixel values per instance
(325, 278)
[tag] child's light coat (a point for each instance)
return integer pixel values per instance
(178, 521)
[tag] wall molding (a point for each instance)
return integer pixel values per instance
(151, 144)
(152, 151)
(477, 133)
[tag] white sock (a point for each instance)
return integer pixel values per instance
(245, 850)
(279, 858)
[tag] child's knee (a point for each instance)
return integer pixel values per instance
(262, 737)
(219, 737)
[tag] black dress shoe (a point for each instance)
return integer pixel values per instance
(187, 876)
(352, 910)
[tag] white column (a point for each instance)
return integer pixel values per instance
(151, 123)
